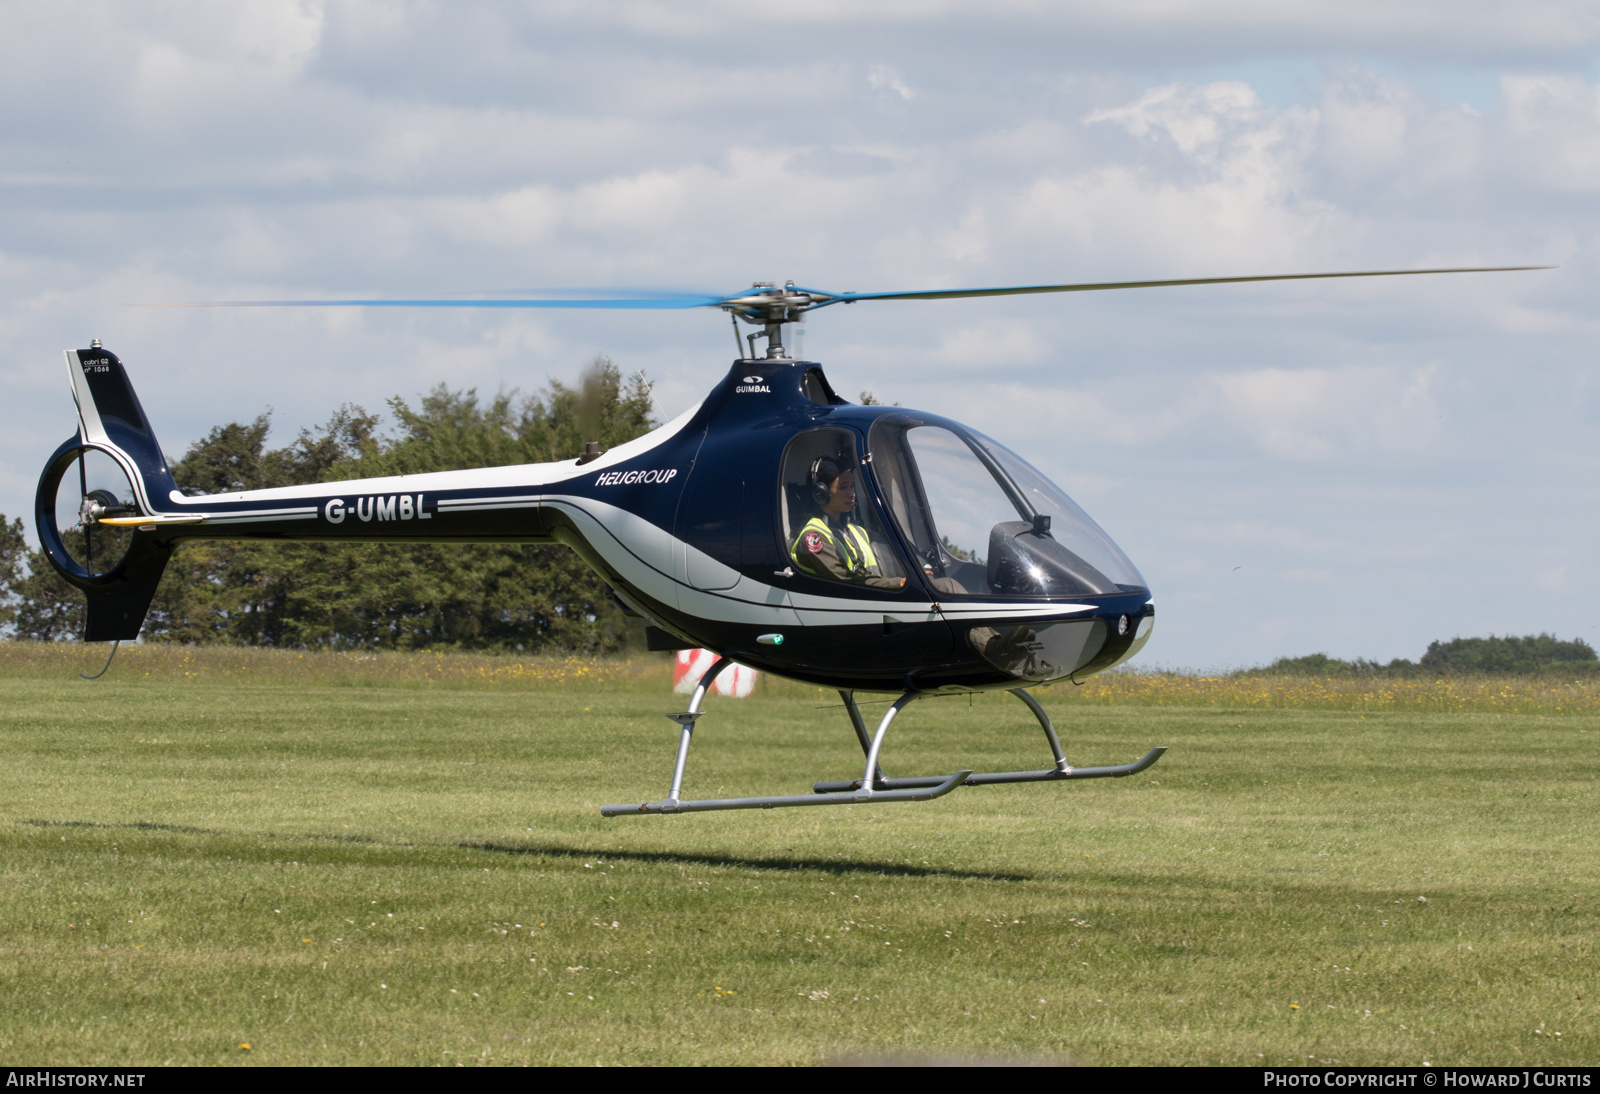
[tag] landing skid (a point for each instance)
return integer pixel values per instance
(1062, 769)
(873, 786)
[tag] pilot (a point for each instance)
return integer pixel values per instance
(830, 544)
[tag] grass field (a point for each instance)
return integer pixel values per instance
(393, 860)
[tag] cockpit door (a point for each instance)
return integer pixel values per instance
(860, 599)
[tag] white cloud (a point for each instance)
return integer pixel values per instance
(1553, 578)
(886, 78)
(1553, 121)
(1318, 415)
(1366, 126)
(1195, 118)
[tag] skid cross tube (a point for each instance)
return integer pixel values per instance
(1061, 771)
(925, 790)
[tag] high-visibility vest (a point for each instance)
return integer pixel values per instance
(853, 546)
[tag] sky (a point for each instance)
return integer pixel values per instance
(1355, 467)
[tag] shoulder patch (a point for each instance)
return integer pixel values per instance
(814, 542)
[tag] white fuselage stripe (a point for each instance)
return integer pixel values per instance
(488, 503)
(232, 519)
(464, 508)
(267, 514)
(516, 477)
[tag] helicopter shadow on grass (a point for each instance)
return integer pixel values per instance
(140, 826)
(676, 858)
(190, 830)
(747, 862)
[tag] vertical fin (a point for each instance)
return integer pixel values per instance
(110, 417)
(110, 420)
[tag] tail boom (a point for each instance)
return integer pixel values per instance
(483, 505)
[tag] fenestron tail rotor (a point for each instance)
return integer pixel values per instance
(102, 498)
(769, 305)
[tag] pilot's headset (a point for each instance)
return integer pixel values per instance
(824, 469)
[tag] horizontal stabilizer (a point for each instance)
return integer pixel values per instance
(142, 522)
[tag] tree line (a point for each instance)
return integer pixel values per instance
(1529, 655)
(511, 597)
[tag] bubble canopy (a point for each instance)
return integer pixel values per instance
(982, 521)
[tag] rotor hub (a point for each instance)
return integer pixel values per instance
(767, 304)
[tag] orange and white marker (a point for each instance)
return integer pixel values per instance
(735, 681)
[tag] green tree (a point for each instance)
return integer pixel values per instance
(238, 592)
(403, 596)
(13, 568)
(1532, 653)
(1320, 664)
(1527, 655)
(449, 430)
(34, 602)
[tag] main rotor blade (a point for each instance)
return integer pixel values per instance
(650, 301)
(782, 305)
(1096, 286)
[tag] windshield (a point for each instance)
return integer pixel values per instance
(983, 521)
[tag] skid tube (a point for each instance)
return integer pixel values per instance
(1061, 771)
(873, 786)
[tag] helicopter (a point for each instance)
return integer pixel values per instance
(859, 548)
